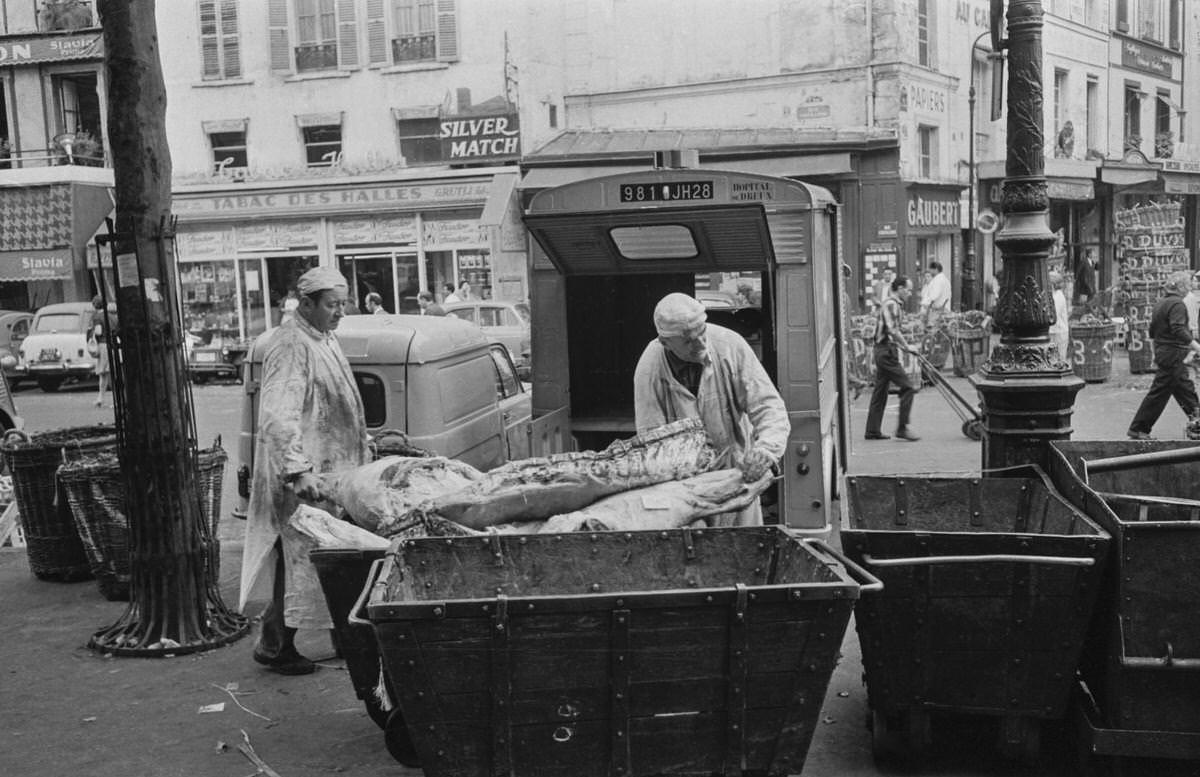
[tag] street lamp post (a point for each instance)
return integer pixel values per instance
(968, 269)
(1026, 387)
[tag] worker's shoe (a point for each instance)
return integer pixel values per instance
(876, 436)
(906, 434)
(288, 662)
(1136, 435)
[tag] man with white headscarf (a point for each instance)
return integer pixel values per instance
(310, 422)
(699, 370)
(1174, 346)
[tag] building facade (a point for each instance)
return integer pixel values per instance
(55, 179)
(380, 137)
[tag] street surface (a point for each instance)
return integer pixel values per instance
(68, 711)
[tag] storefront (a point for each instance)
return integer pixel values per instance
(45, 230)
(240, 252)
(931, 232)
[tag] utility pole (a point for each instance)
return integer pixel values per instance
(1027, 389)
(175, 605)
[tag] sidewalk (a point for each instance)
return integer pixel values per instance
(69, 711)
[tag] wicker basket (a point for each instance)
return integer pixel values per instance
(1092, 350)
(52, 543)
(95, 489)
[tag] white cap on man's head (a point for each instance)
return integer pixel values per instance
(678, 313)
(320, 279)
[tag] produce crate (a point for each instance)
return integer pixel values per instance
(95, 491)
(640, 653)
(52, 543)
(989, 584)
(1141, 665)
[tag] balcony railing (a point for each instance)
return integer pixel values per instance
(414, 48)
(17, 159)
(318, 56)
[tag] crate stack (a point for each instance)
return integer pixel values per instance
(1151, 246)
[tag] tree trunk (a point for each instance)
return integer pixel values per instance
(175, 604)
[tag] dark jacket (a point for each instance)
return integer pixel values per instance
(1169, 324)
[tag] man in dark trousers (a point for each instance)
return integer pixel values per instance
(888, 369)
(1173, 346)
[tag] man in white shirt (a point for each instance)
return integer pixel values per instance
(938, 300)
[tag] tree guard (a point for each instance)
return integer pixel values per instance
(175, 604)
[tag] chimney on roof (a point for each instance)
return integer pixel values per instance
(464, 99)
(676, 158)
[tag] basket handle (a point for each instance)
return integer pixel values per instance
(354, 619)
(1069, 561)
(867, 582)
(16, 435)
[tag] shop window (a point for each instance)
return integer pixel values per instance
(927, 151)
(229, 151)
(420, 141)
(926, 54)
(322, 145)
(220, 50)
(316, 35)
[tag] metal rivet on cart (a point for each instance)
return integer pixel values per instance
(595, 586)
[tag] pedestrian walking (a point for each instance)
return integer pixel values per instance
(374, 304)
(99, 335)
(889, 341)
(1174, 347)
(428, 306)
(311, 422)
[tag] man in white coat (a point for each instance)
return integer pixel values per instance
(310, 422)
(699, 370)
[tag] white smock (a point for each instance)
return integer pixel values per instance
(310, 418)
(738, 404)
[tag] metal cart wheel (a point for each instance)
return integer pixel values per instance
(1020, 738)
(398, 742)
(973, 429)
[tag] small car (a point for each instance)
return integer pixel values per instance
(14, 327)
(506, 323)
(57, 347)
(219, 355)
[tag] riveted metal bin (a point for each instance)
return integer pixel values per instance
(989, 585)
(642, 653)
(1141, 669)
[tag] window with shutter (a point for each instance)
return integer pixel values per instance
(316, 35)
(277, 24)
(347, 35)
(377, 52)
(415, 25)
(219, 47)
(447, 31)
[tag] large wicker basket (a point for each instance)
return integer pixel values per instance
(1092, 350)
(52, 543)
(95, 489)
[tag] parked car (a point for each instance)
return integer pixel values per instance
(57, 346)
(437, 380)
(506, 323)
(215, 353)
(14, 327)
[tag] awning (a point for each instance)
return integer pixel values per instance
(791, 166)
(29, 50)
(44, 230)
(1120, 175)
(498, 200)
(1181, 183)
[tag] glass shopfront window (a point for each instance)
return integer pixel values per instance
(393, 276)
(211, 310)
